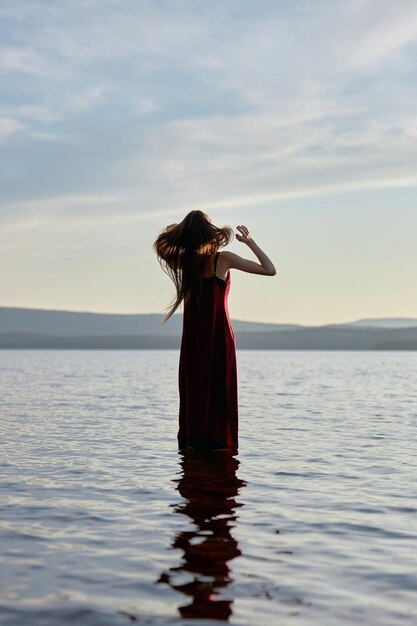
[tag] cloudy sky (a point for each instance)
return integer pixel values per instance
(297, 118)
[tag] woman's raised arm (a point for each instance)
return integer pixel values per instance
(229, 260)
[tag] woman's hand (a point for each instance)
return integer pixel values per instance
(244, 236)
(171, 226)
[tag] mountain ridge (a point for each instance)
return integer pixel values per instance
(59, 329)
(75, 323)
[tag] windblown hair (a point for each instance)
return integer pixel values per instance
(183, 251)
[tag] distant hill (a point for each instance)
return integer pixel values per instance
(74, 323)
(46, 329)
(386, 322)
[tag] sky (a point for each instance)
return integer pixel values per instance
(297, 118)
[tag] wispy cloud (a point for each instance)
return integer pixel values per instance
(23, 60)
(8, 127)
(257, 94)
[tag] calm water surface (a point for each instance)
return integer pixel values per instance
(103, 522)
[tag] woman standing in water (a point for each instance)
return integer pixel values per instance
(190, 254)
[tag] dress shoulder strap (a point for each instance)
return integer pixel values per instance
(215, 263)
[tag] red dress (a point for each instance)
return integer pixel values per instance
(208, 415)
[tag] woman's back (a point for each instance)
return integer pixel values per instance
(207, 374)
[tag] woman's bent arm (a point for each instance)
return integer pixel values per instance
(231, 260)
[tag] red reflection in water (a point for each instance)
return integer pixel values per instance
(209, 486)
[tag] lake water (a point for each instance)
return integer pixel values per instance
(103, 522)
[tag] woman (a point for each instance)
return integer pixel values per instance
(189, 253)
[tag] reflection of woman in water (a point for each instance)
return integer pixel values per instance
(189, 253)
(209, 487)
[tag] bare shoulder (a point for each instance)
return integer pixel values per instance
(229, 260)
(223, 264)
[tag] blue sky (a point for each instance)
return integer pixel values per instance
(296, 118)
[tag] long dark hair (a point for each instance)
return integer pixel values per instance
(183, 251)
